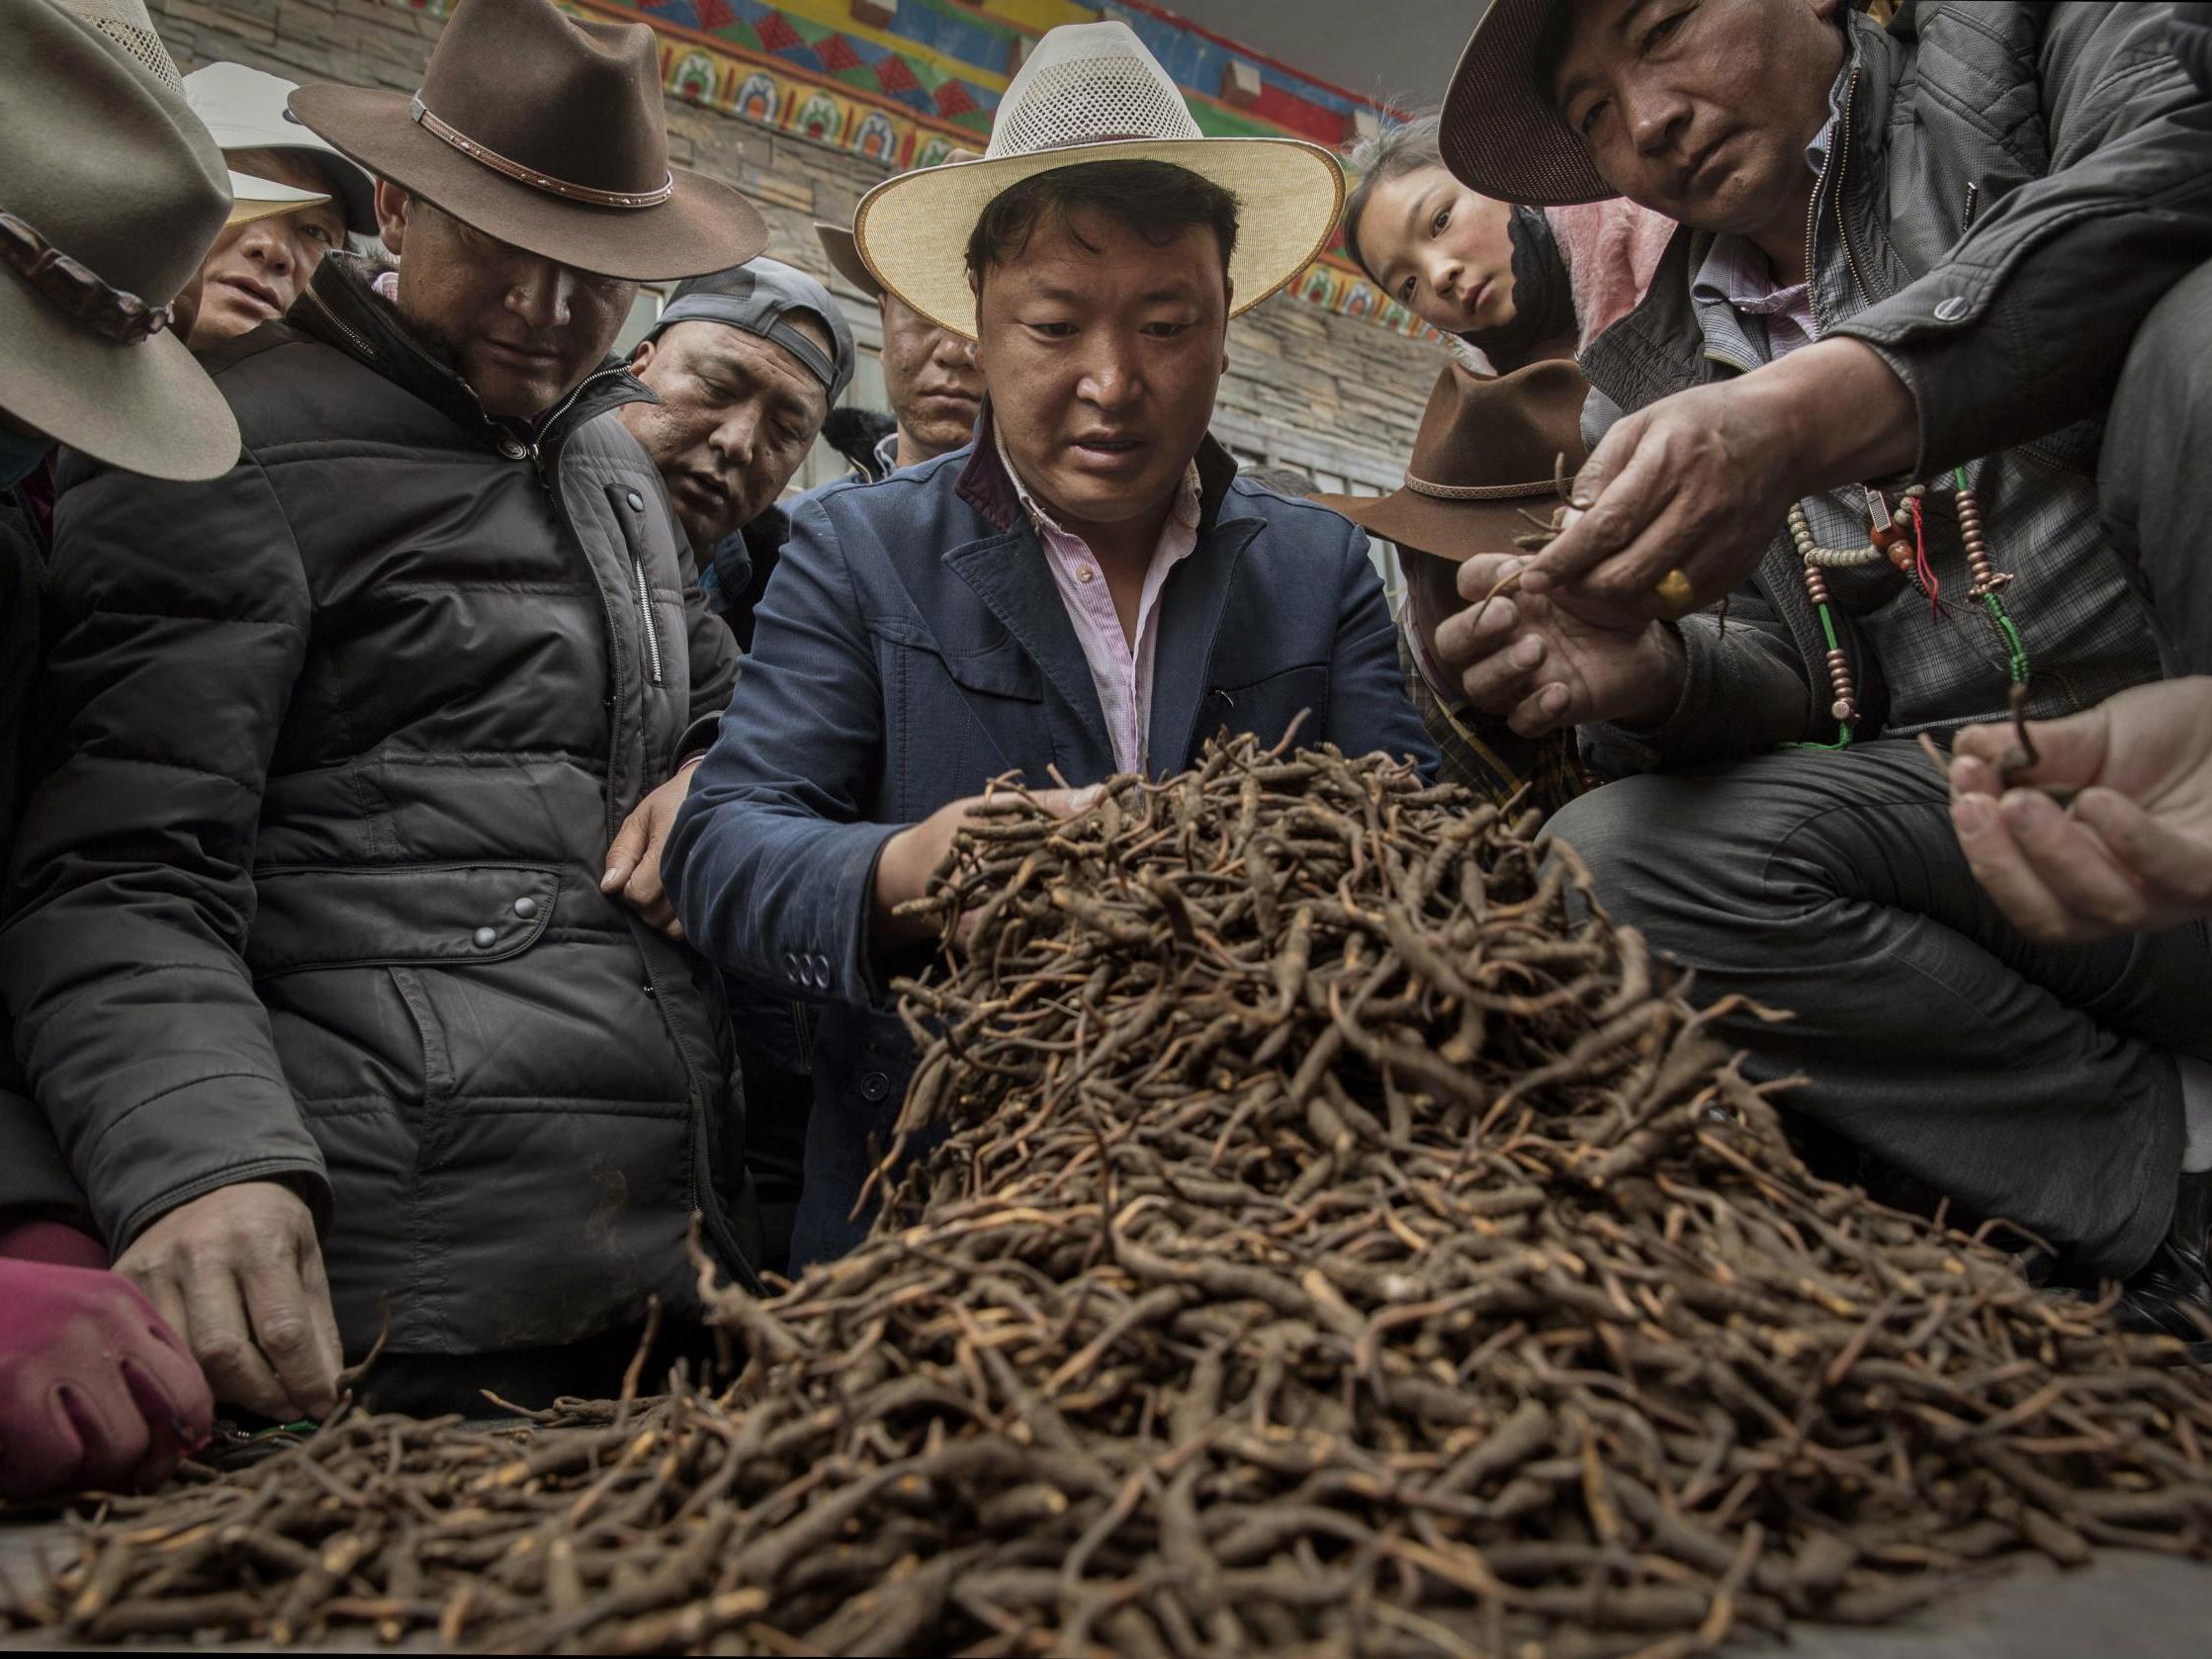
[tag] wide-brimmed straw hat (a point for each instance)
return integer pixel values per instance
(1501, 136)
(245, 109)
(547, 132)
(1091, 92)
(844, 253)
(1489, 452)
(113, 194)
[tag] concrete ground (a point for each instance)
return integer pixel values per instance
(2122, 1606)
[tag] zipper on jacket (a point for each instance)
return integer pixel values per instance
(1838, 160)
(645, 615)
(367, 351)
(1843, 162)
(1973, 201)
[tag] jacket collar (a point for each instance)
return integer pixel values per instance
(340, 309)
(986, 487)
(1007, 573)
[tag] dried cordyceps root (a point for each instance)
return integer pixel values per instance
(1332, 1232)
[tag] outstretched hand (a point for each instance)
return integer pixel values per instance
(1702, 481)
(2133, 853)
(96, 1391)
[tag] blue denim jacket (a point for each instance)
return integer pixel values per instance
(910, 648)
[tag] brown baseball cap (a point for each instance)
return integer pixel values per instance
(115, 192)
(547, 133)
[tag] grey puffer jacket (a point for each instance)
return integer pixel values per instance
(313, 893)
(2013, 187)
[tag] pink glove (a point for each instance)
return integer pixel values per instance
(95, 1389)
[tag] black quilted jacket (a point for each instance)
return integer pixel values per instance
(313, 891)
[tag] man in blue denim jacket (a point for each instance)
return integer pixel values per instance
(1084, 588)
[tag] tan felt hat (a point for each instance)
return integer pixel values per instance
(844, 253)
(113, 193)
(127, 23)
(1500, 137)
(1091, 92)
(545, 132)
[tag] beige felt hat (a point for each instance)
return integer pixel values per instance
(844, 253)
(1091, 92)
(113, 193)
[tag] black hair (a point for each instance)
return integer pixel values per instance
(1155, 198)
(1391, 154)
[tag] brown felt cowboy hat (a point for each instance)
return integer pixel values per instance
(842, 250)
(1501, 135)
(113, 194)
(1488, 452)
(547, 132)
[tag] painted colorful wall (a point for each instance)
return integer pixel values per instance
(929, 81)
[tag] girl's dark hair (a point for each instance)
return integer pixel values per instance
(1156, 199)
(1390, 154)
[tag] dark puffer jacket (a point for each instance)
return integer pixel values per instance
(313, 894)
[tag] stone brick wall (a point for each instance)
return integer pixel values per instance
(1336, 396)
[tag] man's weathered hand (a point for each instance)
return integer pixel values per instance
(238, 1274)
(1542, 662)
(1702, 481)
(2134, 854)
(911, 858)
(633, 859)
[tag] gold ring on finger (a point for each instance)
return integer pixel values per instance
(1674, 593)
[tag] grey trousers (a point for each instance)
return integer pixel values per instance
(2029, 1081)
(2155, 478)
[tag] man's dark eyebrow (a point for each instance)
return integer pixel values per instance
(1623, 26)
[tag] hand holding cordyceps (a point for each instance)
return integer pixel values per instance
(911, 858)
(1541, 662)
(1684, 497)
(96, 1391)
(2134, 852)
(238, 1273)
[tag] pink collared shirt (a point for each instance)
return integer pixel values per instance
(1121, 671)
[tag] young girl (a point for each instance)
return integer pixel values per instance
(1496, 277)
(1517, 284)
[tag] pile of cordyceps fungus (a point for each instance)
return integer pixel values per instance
(1331, 1230)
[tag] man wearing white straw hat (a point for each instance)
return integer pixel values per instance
(1085, 589)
